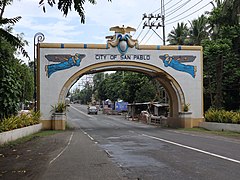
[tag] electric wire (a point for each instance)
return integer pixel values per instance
(160, 8)
(156, 10)
(144, 36)
(174, 5)
(140, 34)
(188, 14)
(148, 32)
(184, 11)
(167, 3)
(141, 23)
(137, 27)
(177, 8)
(149, 38)
(157, 34)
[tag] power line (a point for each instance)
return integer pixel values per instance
(140, 34)
(174, 5)
(185, 11)
(177, 8)
(189, 14)
(156, 10)
(157, 34)
(160, 8)
(142, 21)
(144, 36)
(149, 37)
(167, 3)
(137, 27)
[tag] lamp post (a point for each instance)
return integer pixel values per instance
(38, 37)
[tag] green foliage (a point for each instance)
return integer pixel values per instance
(27, 82)
(128, 86)
(22, 120)
(6, 34)
(10, 87)
(198, 30)
(222, 116)
(16, 81)
(86, 94)
(179, 34)
(59, 107)
(186, 107)
(221, 74)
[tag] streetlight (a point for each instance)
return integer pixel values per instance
(40, 38)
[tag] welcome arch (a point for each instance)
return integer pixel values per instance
(177, 68)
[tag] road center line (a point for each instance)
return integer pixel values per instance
(194, 149)
(69, 142)
(88, 135)
(83, 112)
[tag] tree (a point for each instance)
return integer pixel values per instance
(5, 33)
(232, 7)
(178, 35)
(9, 80)
(66, 5)
(111, 87)
(221, 57)
(85, 95)
(216, 52)
(198, 30)
(26, 82)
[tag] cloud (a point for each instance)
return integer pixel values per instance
(99, 18)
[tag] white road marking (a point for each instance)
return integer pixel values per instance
(108, 154)
(194, 149)
(69, 142)
(88, 135)
(83, 113)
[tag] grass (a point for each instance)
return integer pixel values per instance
(30, 137)
(219, 133)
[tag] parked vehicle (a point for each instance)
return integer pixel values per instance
(92, 110)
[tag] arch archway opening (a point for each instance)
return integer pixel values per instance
(166, 84)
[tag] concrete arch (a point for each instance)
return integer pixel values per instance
(174, 90)
(177, 68)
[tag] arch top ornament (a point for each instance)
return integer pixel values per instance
(122, 39)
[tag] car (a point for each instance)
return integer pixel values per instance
(92, 110)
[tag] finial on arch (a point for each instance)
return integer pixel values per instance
(122, 29)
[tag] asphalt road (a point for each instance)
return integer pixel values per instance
(150, 152)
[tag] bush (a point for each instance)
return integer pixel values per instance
(222, 116)
(19, 121)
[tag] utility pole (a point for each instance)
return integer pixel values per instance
(163, 20)
(151, 21)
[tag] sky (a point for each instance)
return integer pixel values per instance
(99, 18)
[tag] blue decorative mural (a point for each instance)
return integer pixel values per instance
(176, 62)
(66, 61)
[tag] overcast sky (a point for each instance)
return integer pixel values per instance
(99, 18)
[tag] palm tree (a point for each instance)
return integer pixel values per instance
(178, 35)
(216, 19)
(198, 31)
(5, 32)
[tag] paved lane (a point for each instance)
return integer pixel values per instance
(148, 152)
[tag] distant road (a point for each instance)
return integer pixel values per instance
(149, 152)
